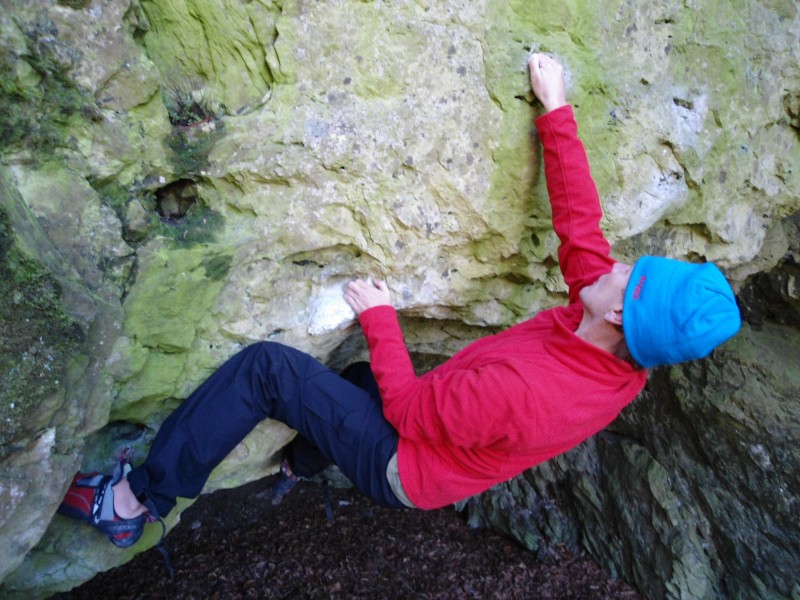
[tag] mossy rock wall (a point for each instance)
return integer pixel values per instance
(182, 178)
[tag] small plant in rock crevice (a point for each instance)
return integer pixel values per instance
(187, 106)
(195, 127)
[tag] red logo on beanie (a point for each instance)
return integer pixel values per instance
(637, 291)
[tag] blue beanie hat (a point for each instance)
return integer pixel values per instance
(675, 311)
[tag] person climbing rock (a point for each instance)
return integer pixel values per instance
(499, 406)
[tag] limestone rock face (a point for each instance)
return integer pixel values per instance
(180, 178)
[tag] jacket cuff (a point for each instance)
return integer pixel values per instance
(562, 113)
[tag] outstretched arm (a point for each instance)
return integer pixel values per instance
(584, 252)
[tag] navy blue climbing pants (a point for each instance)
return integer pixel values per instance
(337, 420)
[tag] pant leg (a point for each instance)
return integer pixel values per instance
(347, 425)
(268, 380)
(304, 457)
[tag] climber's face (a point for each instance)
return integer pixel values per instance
(603, 299)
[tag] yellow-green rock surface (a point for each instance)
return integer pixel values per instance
(185, 177)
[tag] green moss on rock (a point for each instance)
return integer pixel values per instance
(182, 286)
(38, 98)
(191, 146)
(37, 337)
(75, 4)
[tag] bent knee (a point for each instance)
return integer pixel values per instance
(280, 355)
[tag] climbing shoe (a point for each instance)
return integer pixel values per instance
(90, 498)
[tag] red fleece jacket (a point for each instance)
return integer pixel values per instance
(509, 401)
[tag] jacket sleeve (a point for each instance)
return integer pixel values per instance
(459, 407)
(584, 253)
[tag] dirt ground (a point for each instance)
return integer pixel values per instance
(235, 544)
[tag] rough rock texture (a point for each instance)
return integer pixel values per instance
(180, 178)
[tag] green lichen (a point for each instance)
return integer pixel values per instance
(38, 99)
(163, 320)
(217, 267)
(114, 195)
(199, 226)
(191, 147)
(182, 287)
(37, 337)
(208, 41)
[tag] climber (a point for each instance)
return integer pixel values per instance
(499, 406)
